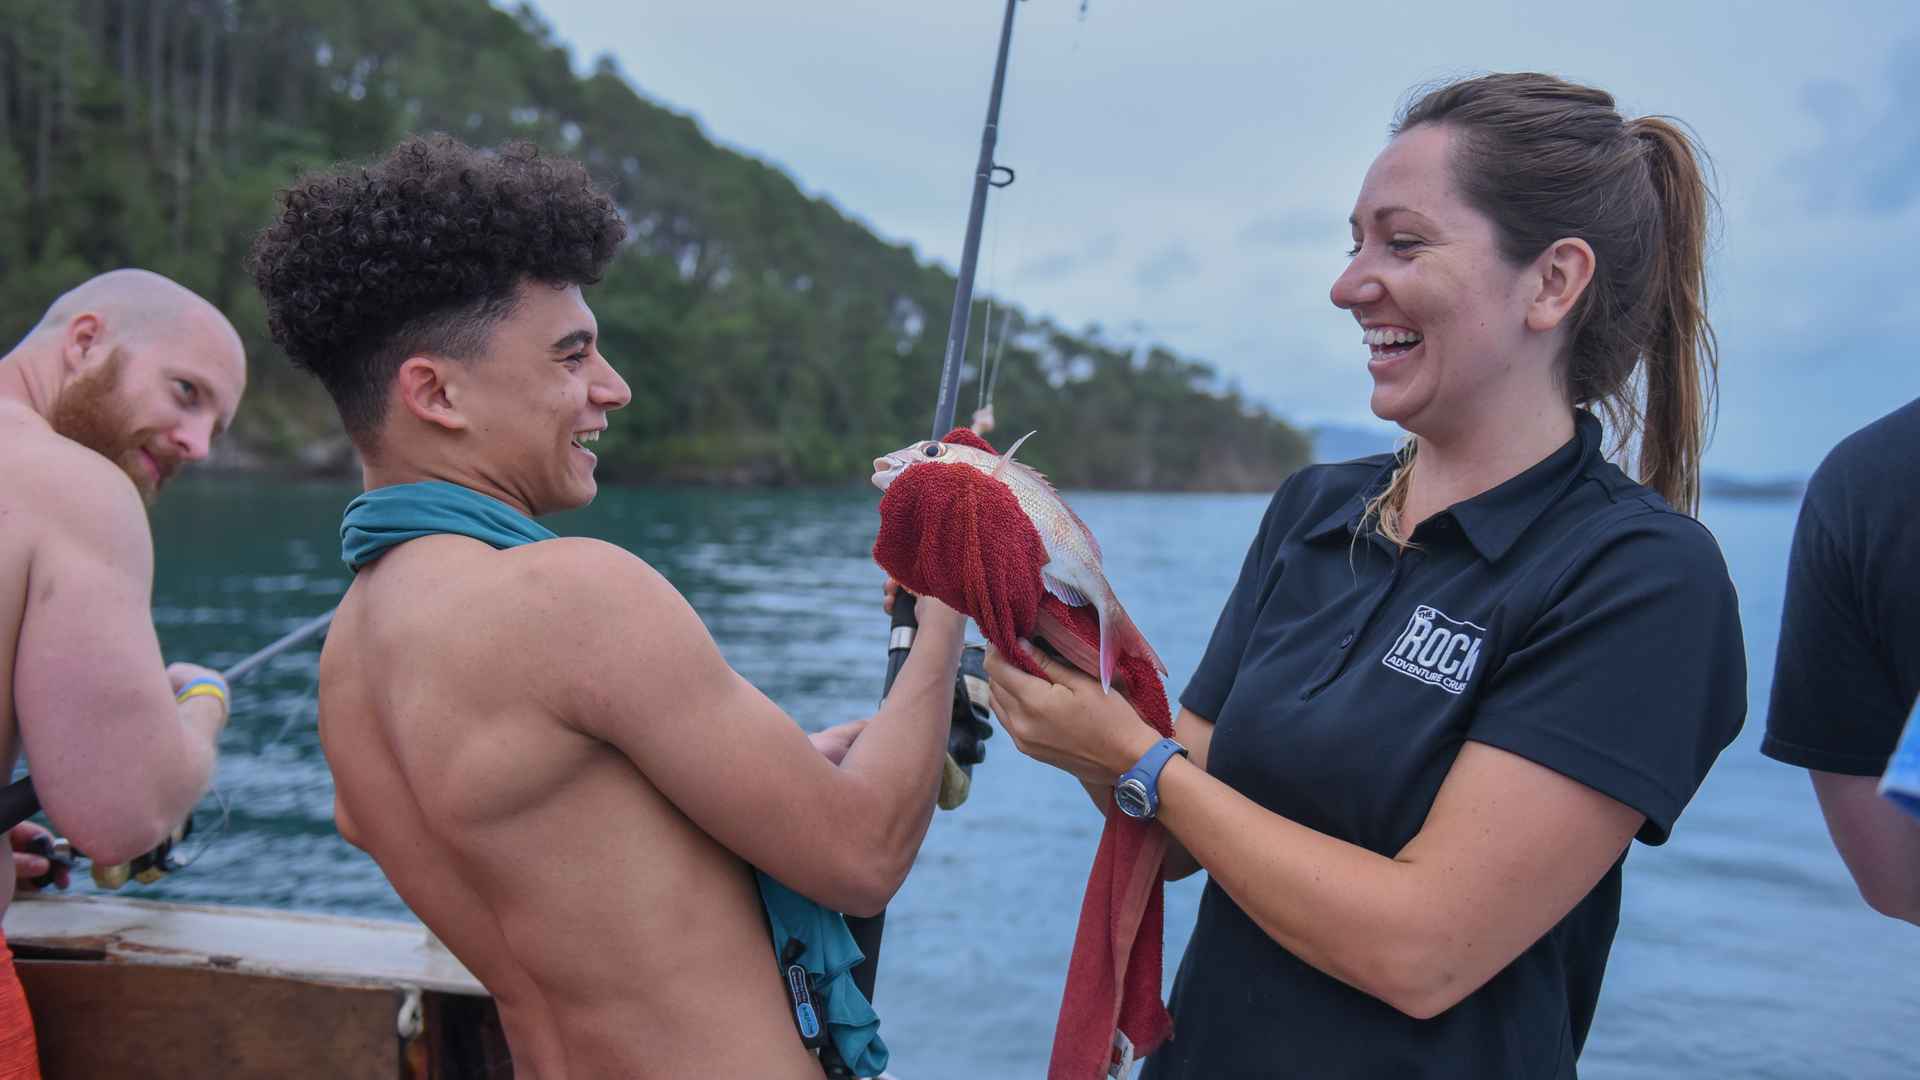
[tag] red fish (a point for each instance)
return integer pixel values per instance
(1073, 572)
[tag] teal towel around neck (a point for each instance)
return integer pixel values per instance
(380, 520)
(387, 517)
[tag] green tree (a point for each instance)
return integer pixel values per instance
(769, 338)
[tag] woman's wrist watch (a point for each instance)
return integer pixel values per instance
(1137, 792)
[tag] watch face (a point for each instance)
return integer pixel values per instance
(1131, 796)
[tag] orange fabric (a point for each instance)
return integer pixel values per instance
(19, 1053)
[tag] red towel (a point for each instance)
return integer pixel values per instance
(951, 532)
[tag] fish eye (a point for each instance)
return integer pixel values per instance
(933, 450)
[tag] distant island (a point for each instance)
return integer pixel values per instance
(1344, 442)
(770, 338)
(1724, 486)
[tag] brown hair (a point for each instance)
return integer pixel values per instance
(1545, 160)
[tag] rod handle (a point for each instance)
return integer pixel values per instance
(900, 639)
(18, 802)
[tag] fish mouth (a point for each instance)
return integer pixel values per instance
(886, 470)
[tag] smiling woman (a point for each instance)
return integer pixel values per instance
(1442, 700)
(1526, 196)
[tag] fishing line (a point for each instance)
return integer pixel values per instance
(1006, 324)
(1011, 218)
(309, 705)
(309, 702)
(986, 336)
(219, 830)
(993, 287)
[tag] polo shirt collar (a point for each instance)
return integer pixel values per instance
(1493, 520)
(1344, 520)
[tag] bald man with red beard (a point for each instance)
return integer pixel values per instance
(124, 380)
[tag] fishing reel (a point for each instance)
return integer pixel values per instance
(969, 727)
(145, 869)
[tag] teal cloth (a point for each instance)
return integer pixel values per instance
(830, 958)
(389, 516)
(1901, 782)
(384, 518)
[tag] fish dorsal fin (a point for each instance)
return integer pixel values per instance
(1006, 459)
(1006, 462)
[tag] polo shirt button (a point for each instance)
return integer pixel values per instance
(1347, 640)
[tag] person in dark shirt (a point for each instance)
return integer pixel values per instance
(1848, 670)
(1452, 684)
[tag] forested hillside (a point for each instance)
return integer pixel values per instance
(769, 338)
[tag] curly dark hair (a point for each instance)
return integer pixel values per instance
(421, 251)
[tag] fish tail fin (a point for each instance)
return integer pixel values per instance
(1124, 635)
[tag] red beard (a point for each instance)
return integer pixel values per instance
(90, 412)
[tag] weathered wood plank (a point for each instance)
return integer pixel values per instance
(96, 1020)
(286, 944)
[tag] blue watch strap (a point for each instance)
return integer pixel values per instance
(1146, 772)
(1156, 758)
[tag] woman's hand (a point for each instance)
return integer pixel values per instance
(1065, 720)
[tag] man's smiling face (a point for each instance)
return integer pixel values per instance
(155, 397)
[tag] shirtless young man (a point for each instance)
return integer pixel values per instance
(541, 745)
(125, 379)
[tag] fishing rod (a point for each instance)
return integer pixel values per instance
(987, 174)
(19, 801)
(964, 740)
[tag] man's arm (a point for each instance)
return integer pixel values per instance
(728, 757)
(1835, 709)
(116, 763)
(1878, 841)
(1507, 849)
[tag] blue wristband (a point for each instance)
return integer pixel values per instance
(214, 684)
(1137, 792)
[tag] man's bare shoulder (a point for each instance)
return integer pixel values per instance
(58, 463)
(593, 599)
(65, 487)
(581, 569)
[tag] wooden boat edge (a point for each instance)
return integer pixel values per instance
(305, 946)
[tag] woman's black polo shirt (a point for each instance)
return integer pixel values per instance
(1569, 616)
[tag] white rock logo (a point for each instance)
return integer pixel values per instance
(1437, 650)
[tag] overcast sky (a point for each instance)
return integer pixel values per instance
(1186, 169)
